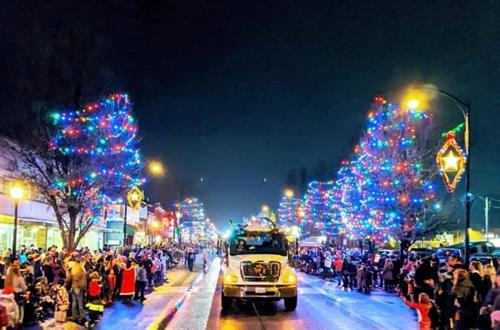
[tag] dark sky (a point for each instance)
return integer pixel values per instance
(239, 91)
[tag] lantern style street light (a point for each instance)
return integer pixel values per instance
(450, 159)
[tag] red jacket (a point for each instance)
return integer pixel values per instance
(94, 288)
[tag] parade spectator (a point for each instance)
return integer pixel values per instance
(7, 299)
(463, 293)
(141, 281)
(388, 275)
(423, 307)
(62, 300)
(127, 289)
(78, 280)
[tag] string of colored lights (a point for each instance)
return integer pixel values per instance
(317, 207)
(288, 210)
(100, 141)
(191, 218)
(381, 192)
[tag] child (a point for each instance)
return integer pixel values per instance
(423, 307)
(62, 300)
(94, 303)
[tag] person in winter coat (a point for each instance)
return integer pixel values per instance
(388, 275)
(62, 298)
(426, 278)
(94, 301)
(7, 299)
(127, 289)
(477, 278)
(338, 268)
(491, 303)
(328, 266)
(463, 294)
(16, 281)
(140, 283)
(423, 308)
(78, 280)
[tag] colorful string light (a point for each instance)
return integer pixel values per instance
(100, 142)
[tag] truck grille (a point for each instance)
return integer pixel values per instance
(260, 271)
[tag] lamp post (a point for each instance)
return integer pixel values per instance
(464, 108)
(16, 193)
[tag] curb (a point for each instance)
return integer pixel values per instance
(173, 307)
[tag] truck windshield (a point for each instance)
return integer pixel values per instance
(258, 243)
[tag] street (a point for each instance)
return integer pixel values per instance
(321, 306)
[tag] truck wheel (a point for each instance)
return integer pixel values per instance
(225, 303)
(290, 304)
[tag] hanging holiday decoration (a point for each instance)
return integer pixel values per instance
(134, 198)
(451, 162)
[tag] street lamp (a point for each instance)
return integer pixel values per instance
(156, 168)
(289, 193)
(16, 193)
(265, 209)
(464, 108)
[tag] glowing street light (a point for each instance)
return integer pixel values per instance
(447, 159)
(265, 209)
(289, 193)
(156, 168)
(16, 193)
(413, 104)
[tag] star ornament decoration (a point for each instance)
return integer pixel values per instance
(134, 198)
(451, 162)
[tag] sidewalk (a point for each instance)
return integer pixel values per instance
(135, 315)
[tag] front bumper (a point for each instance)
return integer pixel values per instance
(256, 291)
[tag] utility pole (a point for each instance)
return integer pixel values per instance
(486, 217)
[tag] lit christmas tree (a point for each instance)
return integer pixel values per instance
(192, 218)
(317, 207)
(93, 162)
(288, 211)
(385, 190)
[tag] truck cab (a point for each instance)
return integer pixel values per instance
(257, 267)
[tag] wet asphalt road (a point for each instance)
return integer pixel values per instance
(321, 306)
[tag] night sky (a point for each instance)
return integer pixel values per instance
(237, 91)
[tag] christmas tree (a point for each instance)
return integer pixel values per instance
(93, 160)
(385, 190)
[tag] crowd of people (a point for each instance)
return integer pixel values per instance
(445, 293)
(39, 284)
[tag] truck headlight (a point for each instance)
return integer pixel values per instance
(230, 278)
(289, 277)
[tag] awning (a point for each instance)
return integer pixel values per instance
(131, 230)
